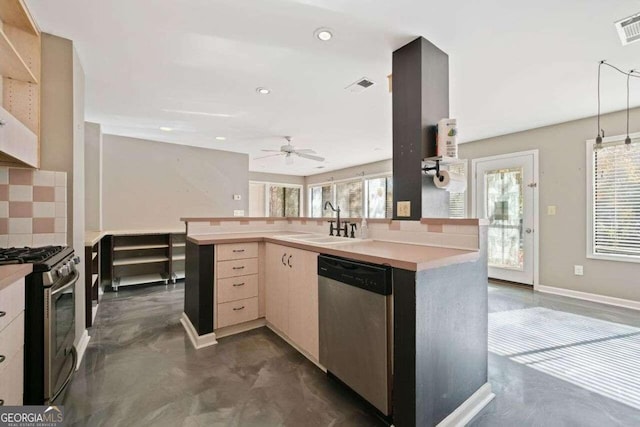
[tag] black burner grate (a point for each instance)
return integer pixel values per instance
(28, 255)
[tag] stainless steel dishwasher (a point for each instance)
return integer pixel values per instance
(356, 326)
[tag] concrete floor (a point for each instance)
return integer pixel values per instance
(140, 369)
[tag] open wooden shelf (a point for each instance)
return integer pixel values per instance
(180, 257)
(140, 260)
(179, 245)
(12, 64)
(140, 279)
(14, 13)
(138, 247)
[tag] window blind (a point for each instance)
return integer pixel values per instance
(616, 200)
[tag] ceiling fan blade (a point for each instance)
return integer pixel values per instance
(311, 157)
(266, 157)
(305, 150)
(271, 151)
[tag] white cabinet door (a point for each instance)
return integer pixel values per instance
(276, 286)
(303, 300)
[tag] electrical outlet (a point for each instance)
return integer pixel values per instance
(404, 209)
(578, 270)
(551, 210)
(238, 212)
(237, 197)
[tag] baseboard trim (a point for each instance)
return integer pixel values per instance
(282, 335)
(242, 327)
(198, 341)
(464, 413)
(602, 299)
(82, 347)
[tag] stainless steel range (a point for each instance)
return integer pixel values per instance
(50, 356)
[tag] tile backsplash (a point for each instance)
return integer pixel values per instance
(33, 207)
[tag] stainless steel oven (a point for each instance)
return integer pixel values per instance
(59, 335)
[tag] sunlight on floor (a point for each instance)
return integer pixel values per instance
(600, 356)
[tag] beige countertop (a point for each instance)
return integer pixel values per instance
(399, 255)
(9, 274)
(92, 237)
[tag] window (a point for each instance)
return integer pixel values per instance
(371, 196)
(614, 201)
(458, 201)
(274, 200)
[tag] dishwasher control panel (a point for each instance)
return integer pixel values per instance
(371, 277)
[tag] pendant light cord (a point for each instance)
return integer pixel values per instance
(628, 79)
(599, 70)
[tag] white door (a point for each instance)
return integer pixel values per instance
(505, 192)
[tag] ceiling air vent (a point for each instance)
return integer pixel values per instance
(360, 85)
(629, 29)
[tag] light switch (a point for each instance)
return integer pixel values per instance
(238, 212)
(237, 197)
(551, 210)
(404, 209)
(578, 270)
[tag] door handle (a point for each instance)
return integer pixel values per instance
(238, 284)
(3, 313)
(528, 230)
(282, 259)
(238, 251)
(2, 357)
(238, 268)
(239, 308)
(289, 261)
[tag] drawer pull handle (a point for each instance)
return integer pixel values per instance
(3, 313)
(238, 251)
(238, 308)
(1, 402)
(238, 268)
(2, 122)
(238, 284)
(2, 357)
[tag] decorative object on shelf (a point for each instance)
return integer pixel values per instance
(288, 149)
(446, 141)
(629, 74)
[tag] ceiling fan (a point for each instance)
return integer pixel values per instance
(287, 151)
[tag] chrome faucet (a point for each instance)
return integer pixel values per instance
(337, 211)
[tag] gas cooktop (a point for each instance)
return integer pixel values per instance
(42, 258)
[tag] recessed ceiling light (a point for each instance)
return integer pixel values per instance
(323, 34)
(166, 128)
(263, 91)
(221, 138)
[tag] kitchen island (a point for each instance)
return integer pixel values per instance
(439, 300)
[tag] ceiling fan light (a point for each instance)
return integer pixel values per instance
(288, 160)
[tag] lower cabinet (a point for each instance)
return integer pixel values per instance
(292, 295)
(11, 343)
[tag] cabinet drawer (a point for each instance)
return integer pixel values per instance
(11, 302)
(11, 377)
(237, 251)
(235, 288)
(232, 313)
(11, 339)
(241, 267)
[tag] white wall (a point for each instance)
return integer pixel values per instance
(148, 184)
(93, 176)
(380, 167)
(563, 237)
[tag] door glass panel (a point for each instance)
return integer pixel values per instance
(504, 209)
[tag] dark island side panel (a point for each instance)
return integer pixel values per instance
(198, 287)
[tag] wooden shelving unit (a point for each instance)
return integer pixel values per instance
(92, 282)
(20, 68)
(178, 248)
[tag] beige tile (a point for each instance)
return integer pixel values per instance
(43, 225)
(20, 209)
(4, 209)
(4, 192)
(4, 225)
(20, 240)
(60, 239)
(435, 228)
(44, 194)
(20, 193)
(60, 225)
(44, 209)
(44, 178)
(61, 210)
(61, 179)
(20, 176)
(20, 226)
(61, 194)
(4, 240)
(4, 175)
(43, 239)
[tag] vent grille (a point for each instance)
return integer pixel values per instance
(629, 29)
(360, 85)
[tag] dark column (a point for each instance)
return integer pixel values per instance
(420, 100)
(198, 287)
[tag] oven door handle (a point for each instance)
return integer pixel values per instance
(72, 282)
(64, 385)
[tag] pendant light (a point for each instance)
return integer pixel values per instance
(627, 141)
(600, 131)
